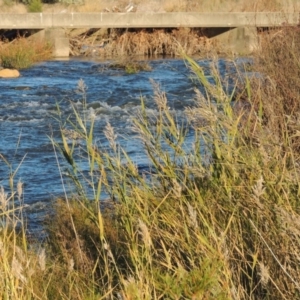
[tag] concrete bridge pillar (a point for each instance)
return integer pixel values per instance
(57, 38)
(239, 40)
(60, 42)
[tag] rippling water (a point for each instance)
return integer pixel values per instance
(28, 106)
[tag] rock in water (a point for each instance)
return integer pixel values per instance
(9, 73)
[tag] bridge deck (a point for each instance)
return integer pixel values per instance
(146, 20)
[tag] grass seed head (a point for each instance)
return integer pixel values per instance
(111, 136)
(193, 216)
(71, 265)
(19, 189)
(259, 189)
(264, 274)
(81, 86)
(144, 232)
(42, 259)
(17, 269)
(3, 199)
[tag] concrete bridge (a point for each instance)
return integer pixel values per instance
(244, 23)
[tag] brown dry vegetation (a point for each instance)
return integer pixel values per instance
(114, 43)
(286, 85)
(22, 53)
(161, 5)
(227, 230)
(224, 229)
(151, 42)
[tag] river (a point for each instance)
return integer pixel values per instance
(28, 112)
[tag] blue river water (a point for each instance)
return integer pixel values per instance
(28, 113)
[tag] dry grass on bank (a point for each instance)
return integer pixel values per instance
(22, 53)
(157, 42)
(219, 219)
(147, 43)
(160, 5)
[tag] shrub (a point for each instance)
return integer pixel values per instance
(130, 66)
(22, 53)
(34, 6)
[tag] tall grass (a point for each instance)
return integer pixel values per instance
(22, 271)
(23, 53)
(214, 219)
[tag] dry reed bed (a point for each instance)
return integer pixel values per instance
(22, 53)
(142, 42)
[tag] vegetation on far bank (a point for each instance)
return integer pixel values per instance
(22, 6)
(111, 43)
(140, 42)
(22, 53)
(218, 219)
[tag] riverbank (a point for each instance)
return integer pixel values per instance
(217, 218)
(156, 6)
(22, 53)
(116, 43)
